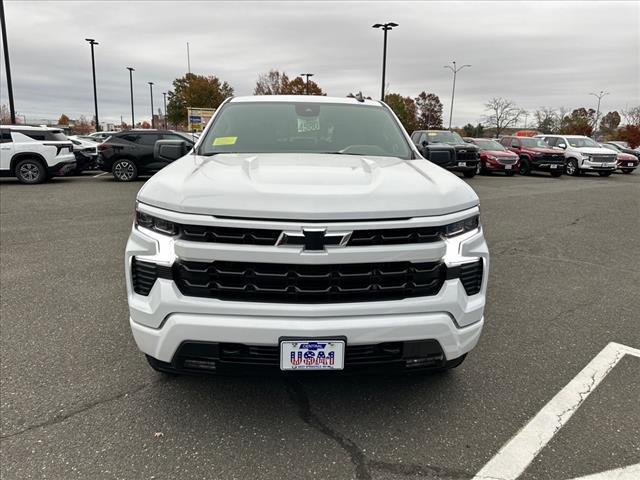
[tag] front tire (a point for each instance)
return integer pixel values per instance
(30, 171)
(605, 174)
(525, 167)
(124, 170)
(572, 167)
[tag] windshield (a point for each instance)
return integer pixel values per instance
(444, 137)
(582, 142)
(489, 145)
(298, 127)
(533, 142)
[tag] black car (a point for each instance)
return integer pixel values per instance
(448, 150)
(131, 153)
(619, 146)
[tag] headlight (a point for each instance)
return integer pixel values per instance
(463, 226)
(491, 157)
(160, 225)
(538, 154)
(586, 157)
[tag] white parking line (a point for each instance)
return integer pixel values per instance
(99, 175)
(632, 472)
(516, 455)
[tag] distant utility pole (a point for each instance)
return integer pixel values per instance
(12, 108)
(92, 42)
(307, 82)
(599, 96)
(153, 124)
(131, 70)
(385, 27)
(164, 94)
(188, 59)
(455, 71)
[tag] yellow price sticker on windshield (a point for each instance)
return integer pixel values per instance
(224, 141)
(432, 134)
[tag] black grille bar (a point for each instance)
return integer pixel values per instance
(144, 275)
(470, 274)
(267, 282)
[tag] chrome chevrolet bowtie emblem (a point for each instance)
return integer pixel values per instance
(313, 239)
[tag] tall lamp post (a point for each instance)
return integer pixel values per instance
(92, 42)
(131, 70)
(307, 82)
(385, 28)
(164, 94)
(3, 26)
(153, 124)
(455, 71)
(599, 96)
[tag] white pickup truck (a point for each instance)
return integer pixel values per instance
(582, 154)
(305, 233)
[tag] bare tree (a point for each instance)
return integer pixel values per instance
(547, 120)
(272, 83)
(632, 115)
(502, 114)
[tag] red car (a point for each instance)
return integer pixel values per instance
(494, 157)
(627, 162)
(535, 155)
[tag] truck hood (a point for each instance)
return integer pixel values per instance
(307, 187)
(594, 150)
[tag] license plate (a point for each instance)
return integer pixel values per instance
(508, 167)
(309, 354)
(629, 164)
(462, 164)
(554, 166)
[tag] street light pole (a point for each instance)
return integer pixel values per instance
(164, 94)
(3, 25)
(92, 42)
(599, 96)
(131, 70)
(385, 28)
(455, 71)
(153, 124)
(307, 82)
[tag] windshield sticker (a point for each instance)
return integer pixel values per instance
(224, 141)
(432, 134)
(308, 124)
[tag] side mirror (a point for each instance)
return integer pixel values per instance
(562, 146)
(424, 143)
(170, 150)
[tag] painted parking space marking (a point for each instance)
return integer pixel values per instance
(632, 472)
(516, 455)
(99, 175)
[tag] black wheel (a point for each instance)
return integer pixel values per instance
(572, 167)
(525, 167)
(605, 174)
(30, 171)
(124, 170)
(627, 170)
(556, 173)
(469, 173)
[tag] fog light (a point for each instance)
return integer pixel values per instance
(199, 364)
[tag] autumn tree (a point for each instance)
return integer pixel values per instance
(198, 91)
(631, 134)
(82, 126)
(579, 122)
(278, 83)
(63, 120)
(405, 109)
(429, 110)
(502, 114)
(145, 124)
(610, 123)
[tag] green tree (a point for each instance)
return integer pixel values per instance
(579, 122)
(610, 123)
(547, 120)
(405, 109)
(198, 91)
(469, 130)
(429, 109)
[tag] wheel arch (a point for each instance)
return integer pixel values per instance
(23, 156)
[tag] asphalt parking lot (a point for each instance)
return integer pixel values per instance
(79, 401)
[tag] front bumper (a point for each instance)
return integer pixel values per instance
(627, 165)
(468, 165)
(598, 166)
(164, 319)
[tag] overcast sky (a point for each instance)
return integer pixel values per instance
(537, 53)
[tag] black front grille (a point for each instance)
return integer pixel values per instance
(439, 157)
(271, 282)
(144, 275)
(395, 236)
(248, 236)
(468, 155)
(206, 356)
(553, 158)
(507, 161)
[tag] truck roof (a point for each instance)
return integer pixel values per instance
(303, 99)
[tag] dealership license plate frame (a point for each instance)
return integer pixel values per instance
(336, 344)
(462, 164)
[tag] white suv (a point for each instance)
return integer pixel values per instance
(34, 154)
(305, 233)
(583, 154)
